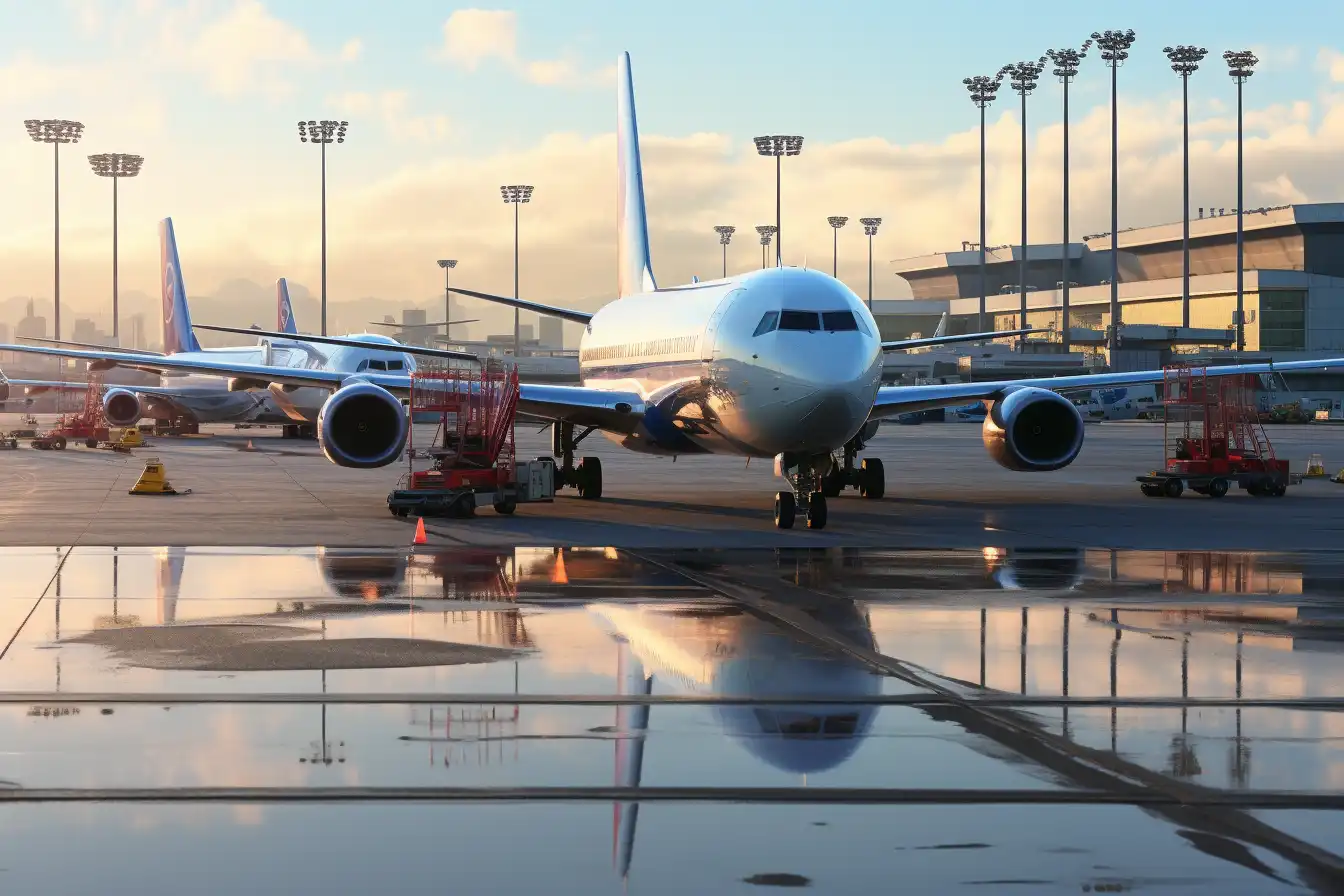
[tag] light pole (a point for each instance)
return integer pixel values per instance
(779, 146)
(322, 133)
(115, 165)
(1184, 62)
(516, 195)
(836, 222)
(725, 232)
(1114, 50)
(1239, 65)
(1022, 77)
(447, 264)
(870, 226)
(55, 131)
(766, 231)
(1066, 67)
(983, 90)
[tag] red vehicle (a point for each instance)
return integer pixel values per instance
(1213, 438)
(88, 425)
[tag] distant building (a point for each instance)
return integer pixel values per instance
(138, 338)
(31, 326)
(552, 332)
(87, 331)
(4, 332)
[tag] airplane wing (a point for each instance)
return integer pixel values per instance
(393, 325)
(347, 343)
(948, 340)
(92, 345)
(578, 317)
(893, 400)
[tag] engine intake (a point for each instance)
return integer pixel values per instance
(1033, 430)
(122, 407)
(362, 425)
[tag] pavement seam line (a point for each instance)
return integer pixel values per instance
(14, 637)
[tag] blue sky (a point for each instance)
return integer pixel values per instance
(210, 90)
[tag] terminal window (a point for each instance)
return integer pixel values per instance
(1283, 320)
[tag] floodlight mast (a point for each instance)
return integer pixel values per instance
(836, 222)
(766, 231)
(1185, 62)
(447, 264)
(983, 90)
(870, 226)
(115, 165)
(1114, 47)
(55, 131)
(1022, 77)
(779, 145)
(1066, 63)
(516, 195)
(1240, 65)
(322, 133)
(725, 232)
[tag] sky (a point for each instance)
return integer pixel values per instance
(445, 103)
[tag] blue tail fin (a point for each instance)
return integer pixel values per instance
(284, 321)
(177, 333)
(635, 270)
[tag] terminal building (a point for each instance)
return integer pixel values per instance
(1293, 293)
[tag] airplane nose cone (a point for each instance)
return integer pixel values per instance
(824, 398)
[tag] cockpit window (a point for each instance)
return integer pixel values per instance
(363, 365)
(768, 323)
(799, 320)
(377, 365)
(394, 365)
(835, 321)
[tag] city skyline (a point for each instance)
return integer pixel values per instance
(444, 105)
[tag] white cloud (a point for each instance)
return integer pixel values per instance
(474, 36)
(1332, 63)
(352, 50)
(392, 107)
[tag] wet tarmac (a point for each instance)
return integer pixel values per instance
(607, 721)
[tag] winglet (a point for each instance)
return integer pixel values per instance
(177, 333)
(284, 321)
(634, 268)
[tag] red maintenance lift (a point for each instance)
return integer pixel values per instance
(471, 457)
(1213, 438)
(88, 425)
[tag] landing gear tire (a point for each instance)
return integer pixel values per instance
(816, 511)
(872, 479)
(833, 484)
(590, 479)
(1217, 488)
(785, 510)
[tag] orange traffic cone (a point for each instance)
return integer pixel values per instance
(249, 446)
(420, 532)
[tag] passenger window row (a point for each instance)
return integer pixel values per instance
(809, 321)
(673, 345)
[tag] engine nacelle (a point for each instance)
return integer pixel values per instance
(362, 425)
(122, 407)
(1033, 430)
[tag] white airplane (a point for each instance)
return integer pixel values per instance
(199, 381)
(780, 363)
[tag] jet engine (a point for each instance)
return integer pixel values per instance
(122, 407)
(1033, 430)
(362, 425)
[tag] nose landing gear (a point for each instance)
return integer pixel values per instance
(586, 478)
(806, 497)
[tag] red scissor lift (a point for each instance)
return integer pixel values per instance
(472, 457)
(1213, 438)
(89, 425)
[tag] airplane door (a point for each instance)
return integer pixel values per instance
(709, 344)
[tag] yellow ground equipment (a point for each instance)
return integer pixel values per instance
(129, 438)
(154, 481)
(1315, 467)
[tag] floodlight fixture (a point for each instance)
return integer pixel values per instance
(1114, 47)
(322, 133)
(1067, 61)
(115, 165)
(779, 145)
(1185, 62)
(767, 231)
(1240, 66)
(447, 262)
(1022, 77)
(870, 226)
(725, 232)
(836, 222)
(55, 131)
(516, 195)
(983, 90)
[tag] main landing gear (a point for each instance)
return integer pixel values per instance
(814, 479)
(587, 476)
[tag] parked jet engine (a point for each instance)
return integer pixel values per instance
(1033, 430)
(362, 425)
(122, 407)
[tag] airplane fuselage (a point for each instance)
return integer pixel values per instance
(781, 360)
